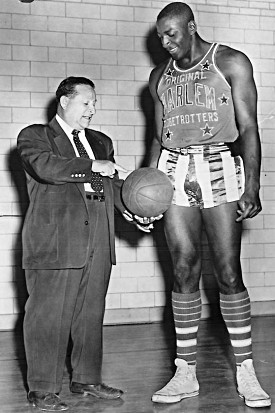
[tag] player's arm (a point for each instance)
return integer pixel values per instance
(239, 72)
(158, 108)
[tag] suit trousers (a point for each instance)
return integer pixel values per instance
(66, 302)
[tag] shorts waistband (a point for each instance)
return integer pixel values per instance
(197, 149)
(95, 197)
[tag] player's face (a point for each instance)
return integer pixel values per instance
(175, 36)
(79, 109)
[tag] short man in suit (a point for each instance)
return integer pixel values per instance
(68, 245)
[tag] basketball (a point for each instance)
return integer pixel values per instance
(147, 192)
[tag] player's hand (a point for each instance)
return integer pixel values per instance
(106, 168)
(249, 205)
(144, 224)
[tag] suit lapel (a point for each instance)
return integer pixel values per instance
(63, 146)
(61, 140)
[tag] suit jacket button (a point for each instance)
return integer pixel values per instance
(86, 222)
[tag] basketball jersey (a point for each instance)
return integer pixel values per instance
(197, 104)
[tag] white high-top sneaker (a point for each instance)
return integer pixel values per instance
(249, 388)
(184, 384)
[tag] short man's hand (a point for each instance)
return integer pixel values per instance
(106, 168)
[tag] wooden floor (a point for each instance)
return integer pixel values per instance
(139, 360)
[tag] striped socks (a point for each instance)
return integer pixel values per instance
(235, 309)
(187, 314)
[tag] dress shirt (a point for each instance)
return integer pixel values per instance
(68, 130)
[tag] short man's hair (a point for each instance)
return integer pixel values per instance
(177, 9)
(68, 86)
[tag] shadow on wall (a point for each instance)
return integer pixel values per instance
(133, 238)
(18, 179)
(19, 183)
(157, 55)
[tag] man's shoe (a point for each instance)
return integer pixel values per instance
(101, 390)
(48, 402)
(249, 388)
(184, 384)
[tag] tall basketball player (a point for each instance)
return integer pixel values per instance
(205, 106)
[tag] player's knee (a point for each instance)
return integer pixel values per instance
(186, 276)
(186, 262)
(231, 283)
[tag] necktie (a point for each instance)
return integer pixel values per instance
(96, 179)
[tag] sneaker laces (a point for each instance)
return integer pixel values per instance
(180, 375)
(250, 381)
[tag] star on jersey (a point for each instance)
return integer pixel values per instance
(168, 74)
(169, 135)
(224, 100)
(207, 130)
(206, 65)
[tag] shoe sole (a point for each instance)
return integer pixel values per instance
(45, 409)
(173, 399)
(98, 396)
(256, 403)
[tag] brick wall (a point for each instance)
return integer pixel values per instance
(113, 42)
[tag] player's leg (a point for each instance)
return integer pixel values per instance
(183, 234)
(182, 226)
(224, 238)
(224, 235)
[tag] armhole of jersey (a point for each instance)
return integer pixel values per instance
(161, 75)
(215, 64)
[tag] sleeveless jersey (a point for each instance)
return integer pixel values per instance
(197, 104)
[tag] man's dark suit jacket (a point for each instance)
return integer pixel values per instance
(56, 228)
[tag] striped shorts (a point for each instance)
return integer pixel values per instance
(203, 176)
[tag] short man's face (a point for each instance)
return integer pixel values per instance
(79, 109)
(174, 36)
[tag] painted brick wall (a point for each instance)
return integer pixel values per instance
(113, 42)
